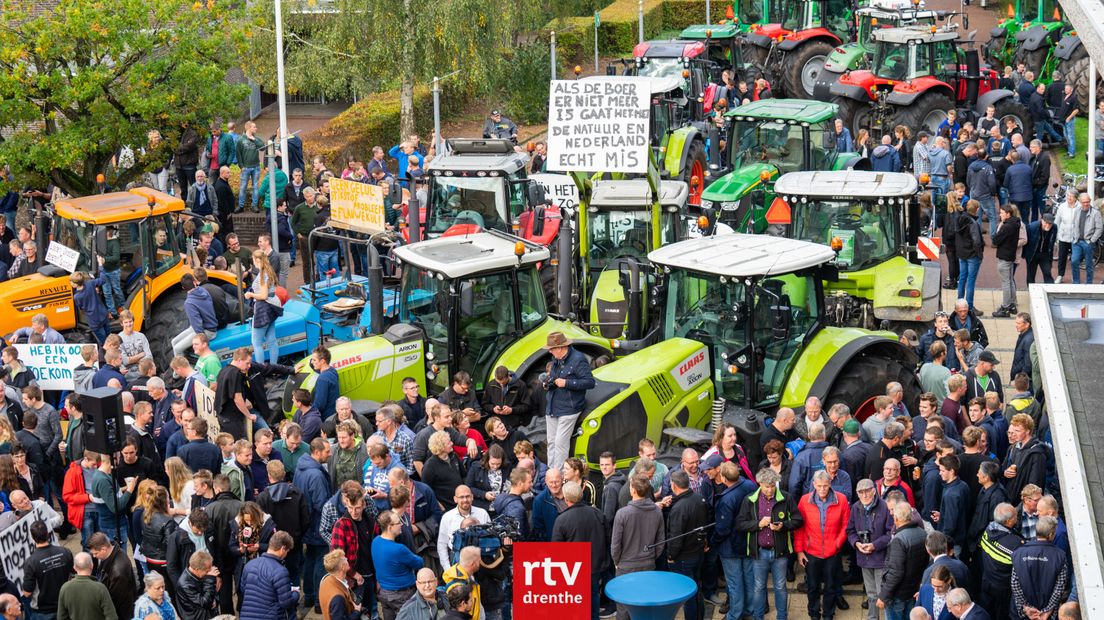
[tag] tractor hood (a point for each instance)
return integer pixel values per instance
(772, 31)
(861, 85)
(668, 49)
(737, 183)
(844, 57)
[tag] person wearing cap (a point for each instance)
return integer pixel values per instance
(1039, 251)
(869, 531)
(498, 126)
(912, 341)
(567, 381)
(981, 378)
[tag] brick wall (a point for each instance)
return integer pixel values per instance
(249, 225)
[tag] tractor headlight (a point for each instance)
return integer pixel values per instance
(430, 356)
(592, 424)
(707, 204)
(729, 205)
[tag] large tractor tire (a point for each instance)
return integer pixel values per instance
(1009, 107)
(855, 115)
(696, 165)
(803, 67)
(992, 50)
(167, 322)
(925, 113)
(1075, 71)
(1033, 60)
(864, 378)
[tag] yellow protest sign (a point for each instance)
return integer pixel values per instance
(356, 206)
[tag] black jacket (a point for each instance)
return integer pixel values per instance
(611, 490)
(584, 523)
(195, 598)
(974, 325)
(975, 390)
(688, 511)
(367, 428)
(747, 523)
(515, 395)
(1021, 360)
(1007, 238)
(906, 559)
(987, 500)
(117, 574)
(968, 242)
(223, 509)
(1031, 467)
(287, 506)
(181, 549)
(1040, 170)
(225, 195)
(156, 535)
(480, 483)
(1036, 107)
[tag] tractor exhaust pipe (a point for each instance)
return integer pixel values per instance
(718, 414)
(413, 214)
(635, 296)
(375, 288)
(973, 78)
(565, 258)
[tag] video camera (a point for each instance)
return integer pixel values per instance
(489, 537)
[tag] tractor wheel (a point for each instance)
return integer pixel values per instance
(165, 324)
(804, 67)
(925, 113)
(854, 114)
(993, 51)
(696, 165)
(1076, 72)
(865, 378)
(1033, 60)
(1009, 107)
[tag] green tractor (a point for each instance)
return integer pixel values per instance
(858, 54)
(792, 53)
(768, 138)
(471, 303)
(1030, 35)
(744, 332)
(873, 218)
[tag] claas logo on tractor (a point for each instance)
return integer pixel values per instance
(778, 212)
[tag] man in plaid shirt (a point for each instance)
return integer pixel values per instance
(398, 438)
(353, 534)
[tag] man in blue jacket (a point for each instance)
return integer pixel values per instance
(265, 584)
(312, 479)
(953, 516)
(200, 310)
(548, 505)
(1040, 574)
(981, 184)
(327, 387)
(510, 504)
(727, 540)
(1017, 180)
(567, 382)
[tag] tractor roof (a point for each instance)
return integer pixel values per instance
(636, 194)
(847, 184)
(701, 32)
(475, 154)
(890, 13)
(800, 110)
(669, 48)
(737, 255)
(656, 85)
(918, 33)
(118, 207)
(463, 255)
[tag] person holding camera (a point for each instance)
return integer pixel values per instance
(869, 531)
(941, 331)
(567, 381)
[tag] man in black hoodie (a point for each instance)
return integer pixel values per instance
(1026, 461)
(289, 511)
(1007, 243)
(223, 509)
(688, 512)
(508, 398)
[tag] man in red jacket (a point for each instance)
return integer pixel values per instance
(818, 544)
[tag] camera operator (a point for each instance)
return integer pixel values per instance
(567, 382)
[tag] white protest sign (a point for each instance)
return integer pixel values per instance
(16, 545)
(599, 124)
(562, 191)
(205, 403)
(62, 256)
(52, 364)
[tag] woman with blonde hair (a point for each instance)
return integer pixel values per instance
(953, 207)
(7, 435)
(157, 527)
(862, 142)
(181, 487)
(266, 309)
(903, 144)
(9, 479)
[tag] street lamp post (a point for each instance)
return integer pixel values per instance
(281, 98)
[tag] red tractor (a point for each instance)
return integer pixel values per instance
(918, 74)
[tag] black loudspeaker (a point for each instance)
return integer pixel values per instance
(104, 429)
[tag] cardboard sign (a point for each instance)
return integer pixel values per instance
(62, 256)
(561, 189)
(16, 544)
(205, 403)
(52, 364)
(356, 206)
(599, 124)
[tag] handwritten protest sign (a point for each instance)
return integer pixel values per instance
(62, 256)
(52, 364)
(16, 544)
(561, 189)
(356, 206)
(599, 124)
(205, 405)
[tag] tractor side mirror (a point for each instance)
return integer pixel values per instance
(394, 193)
(781, 319)
(538, 220)
(742, 359)
(536, 194)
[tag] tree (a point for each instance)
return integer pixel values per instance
(357, 47)
(90, 77)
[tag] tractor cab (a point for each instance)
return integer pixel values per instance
(476, 185)
(623, 221)
(753, 300)
(471, 297)
(872, 221)
(902, 54)
(792, 52)
(723, 48)
(768, 138)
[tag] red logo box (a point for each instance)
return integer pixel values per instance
(552, 581)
